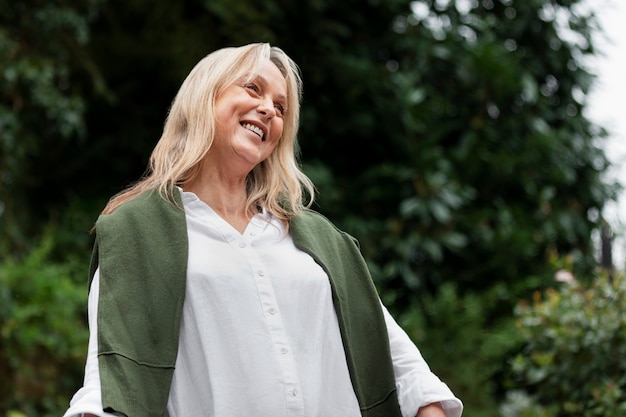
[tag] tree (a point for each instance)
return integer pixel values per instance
(501, 172)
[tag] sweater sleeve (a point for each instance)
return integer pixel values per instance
(417, 385)
(88, 398)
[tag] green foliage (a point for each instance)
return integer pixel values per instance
(43, 332)
(462, 344)
(573, 361)
(498, 170)
(44, 73)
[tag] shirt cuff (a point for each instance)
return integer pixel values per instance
(87, 401)
(430, 389)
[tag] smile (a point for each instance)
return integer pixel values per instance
(254, 129)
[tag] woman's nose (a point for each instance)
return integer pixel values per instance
(266, 108)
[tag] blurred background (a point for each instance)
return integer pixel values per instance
(609, 65)
(473, 147)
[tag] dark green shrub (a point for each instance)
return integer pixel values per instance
(574, 359)
(43, 332)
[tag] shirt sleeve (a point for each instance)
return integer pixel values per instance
(417, 385)
(88, 398)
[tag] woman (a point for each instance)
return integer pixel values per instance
(215, 291)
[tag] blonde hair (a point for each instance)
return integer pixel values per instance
(277, 183)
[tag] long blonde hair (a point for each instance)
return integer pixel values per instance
(277, 184)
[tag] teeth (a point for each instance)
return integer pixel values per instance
(254, 129)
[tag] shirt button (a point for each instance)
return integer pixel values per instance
(294, 392)
(272, 311)
(284, 351)
(242, 245)
(260, 272)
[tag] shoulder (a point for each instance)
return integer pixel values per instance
(147, 207)
(314, 226)
(148, 223)
(312, 220)
(147, 200)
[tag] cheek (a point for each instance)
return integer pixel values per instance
(222, 118)
(277, 129)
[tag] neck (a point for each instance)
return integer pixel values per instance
(227, 199)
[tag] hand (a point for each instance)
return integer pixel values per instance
(431, 410)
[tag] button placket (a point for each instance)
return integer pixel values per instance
(252, 247)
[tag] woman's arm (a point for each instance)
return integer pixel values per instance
(88, 397)
(431, 410)
(420, 391)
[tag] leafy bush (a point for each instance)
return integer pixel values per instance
(574, 359)
(43, 332)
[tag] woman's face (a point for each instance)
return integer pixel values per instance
(249, 119)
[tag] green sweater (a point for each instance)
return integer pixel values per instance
(141, 249)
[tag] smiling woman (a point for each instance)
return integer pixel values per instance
(195, 123)
(248, 125)
(215, 291)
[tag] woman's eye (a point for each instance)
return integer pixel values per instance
(253, 87)
(280, 109)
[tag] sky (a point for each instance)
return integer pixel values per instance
(605, 106)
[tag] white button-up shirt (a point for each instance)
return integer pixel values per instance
(259, 335)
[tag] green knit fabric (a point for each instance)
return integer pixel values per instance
(361, 320)
(142, 248)
(142, 252)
